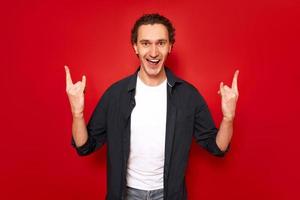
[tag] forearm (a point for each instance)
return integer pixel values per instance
(79, 130)
(228, 104)
(225, 133)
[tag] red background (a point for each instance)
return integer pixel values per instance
(213, 38)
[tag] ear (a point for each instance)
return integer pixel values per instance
(135, 48)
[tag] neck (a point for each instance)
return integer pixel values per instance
(152, 80)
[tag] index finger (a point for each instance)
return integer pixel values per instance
(68, 76)
(234, 84)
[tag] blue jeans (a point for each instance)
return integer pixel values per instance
(137, 194)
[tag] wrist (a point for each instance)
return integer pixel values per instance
(228, 119)
(77, 115)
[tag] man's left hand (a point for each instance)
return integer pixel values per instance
(229, 97)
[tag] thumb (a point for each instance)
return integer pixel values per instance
(221, 87)
(83, 80)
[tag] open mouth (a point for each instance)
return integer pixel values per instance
(153, 61)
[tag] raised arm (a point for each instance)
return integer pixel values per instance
(75, 94)
(229, 97)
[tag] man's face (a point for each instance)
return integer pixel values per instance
(152, 47)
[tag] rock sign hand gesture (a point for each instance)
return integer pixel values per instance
(75, 93)
(229, 97)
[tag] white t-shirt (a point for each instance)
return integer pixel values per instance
(147, 141)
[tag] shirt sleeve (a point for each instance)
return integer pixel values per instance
(96, 128)
(205, 131)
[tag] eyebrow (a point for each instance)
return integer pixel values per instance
(144, 41)
(160, 40)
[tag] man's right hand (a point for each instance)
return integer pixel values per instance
(75, 94)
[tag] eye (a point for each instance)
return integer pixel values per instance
(161, 43)
(145, 43)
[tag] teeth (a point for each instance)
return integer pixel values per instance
(153, 60)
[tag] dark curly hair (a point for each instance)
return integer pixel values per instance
(153, 19)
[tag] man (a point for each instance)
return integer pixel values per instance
(148, 120)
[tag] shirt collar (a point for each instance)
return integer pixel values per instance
(171, 78)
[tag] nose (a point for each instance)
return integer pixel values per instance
(153, 51)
